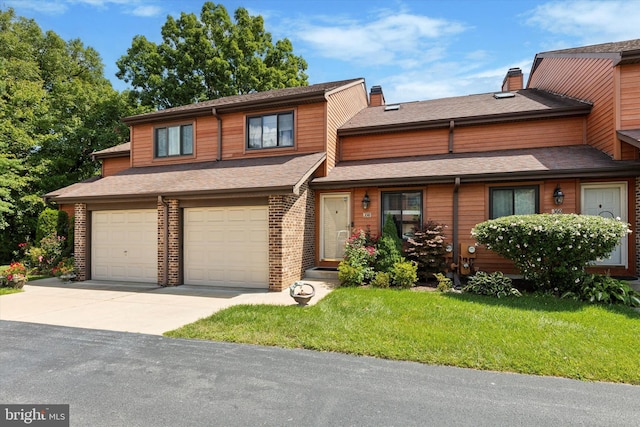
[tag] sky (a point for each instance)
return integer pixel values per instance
(414, 49)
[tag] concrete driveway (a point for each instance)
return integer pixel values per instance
(131, 307)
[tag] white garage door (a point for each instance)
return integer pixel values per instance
(124, 245)
(227, 246)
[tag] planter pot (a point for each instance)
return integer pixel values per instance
(66, 278)
(302, 292)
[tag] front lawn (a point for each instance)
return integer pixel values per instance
(530, 335)
(7, 291)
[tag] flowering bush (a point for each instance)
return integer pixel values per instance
(359, 256)
(552, 250)
(64, 267)
(49, 252)
(15, 275)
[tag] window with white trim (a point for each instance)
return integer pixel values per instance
(270, 130)
(174, 140)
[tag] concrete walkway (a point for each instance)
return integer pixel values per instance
(131, 307)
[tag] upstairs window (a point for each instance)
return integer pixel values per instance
(174, 141)
(505, 201)
(271, 130)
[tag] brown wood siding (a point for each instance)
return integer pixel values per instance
(415, 143)
(341, 106)
(113, 165)
(309, 128)
(539, 133)
(69, 209)
(359, 220)
(590, 79)
(630, 96)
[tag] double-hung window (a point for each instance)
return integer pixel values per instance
(405, 208)
(174, 140)
(504, 201)
(270, 130)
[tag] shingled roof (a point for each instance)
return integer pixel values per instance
(464, 110)
(534, 163)
(256, 176)
(623, 52)
(270, 98)
(120, 150)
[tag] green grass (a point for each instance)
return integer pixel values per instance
(530, 335)
(7, 291)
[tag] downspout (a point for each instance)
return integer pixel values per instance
(217, 116)
(456, 248)
(165, 278)
(451, 126)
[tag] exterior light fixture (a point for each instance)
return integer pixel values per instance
(366, 201)
(558, 195)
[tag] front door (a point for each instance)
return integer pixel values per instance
(334, 225)
(608, 200)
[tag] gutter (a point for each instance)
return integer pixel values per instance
(456, 250)
(217, 116)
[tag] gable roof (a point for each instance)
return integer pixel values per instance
(243, 177)
(520, 164)
(464, 110)
(121, 150)
(630, 136)
(247, 102)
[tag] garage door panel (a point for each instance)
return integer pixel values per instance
(234, 250)
(124, 245)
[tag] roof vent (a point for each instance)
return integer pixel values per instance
(503, 95)
(395, 107)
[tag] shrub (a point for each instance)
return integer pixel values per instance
(381, 280)
(552, 250)
(387, 254)
(445, 284)
(52, 221)
(359, 258)
(49, 253)
(494, 284)
(404, 274)
(426, 248)
(597, 288)
(390, 229)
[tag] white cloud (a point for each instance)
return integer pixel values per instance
(147, 11)
(401, 39)
(588, 20)
(48, 7)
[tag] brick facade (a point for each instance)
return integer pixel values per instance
(174, 276)
(291, 237)
(80, 246)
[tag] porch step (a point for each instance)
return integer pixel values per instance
(322, 273)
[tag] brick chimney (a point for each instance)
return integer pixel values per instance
(512, 81)
(376, 98)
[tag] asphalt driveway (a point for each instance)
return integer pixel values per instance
(130, 307)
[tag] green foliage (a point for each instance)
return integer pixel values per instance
(605, 290)
(426, 248)
(52, 221)
(389, 229)
(359, 259)
(404, 274)
(207, 58)
(495, 284)
(56, 108)
(387, 254)
(549, 249)
(381, 280)
(445, 284)
(47, 254)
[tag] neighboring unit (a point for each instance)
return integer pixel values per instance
(252, 190)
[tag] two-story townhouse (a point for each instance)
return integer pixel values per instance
(252, 190)
(212, 193)
(574, 132)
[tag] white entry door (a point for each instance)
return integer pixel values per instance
(608, 200)
(335, 225)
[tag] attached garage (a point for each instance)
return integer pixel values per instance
(124, 245)
(227, 246)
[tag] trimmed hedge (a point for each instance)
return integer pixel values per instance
(552, 250)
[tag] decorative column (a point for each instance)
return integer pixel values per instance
(80, 246)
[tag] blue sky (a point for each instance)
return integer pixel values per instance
(414, 49)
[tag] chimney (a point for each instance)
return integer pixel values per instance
(376, 98)
(512, 81)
